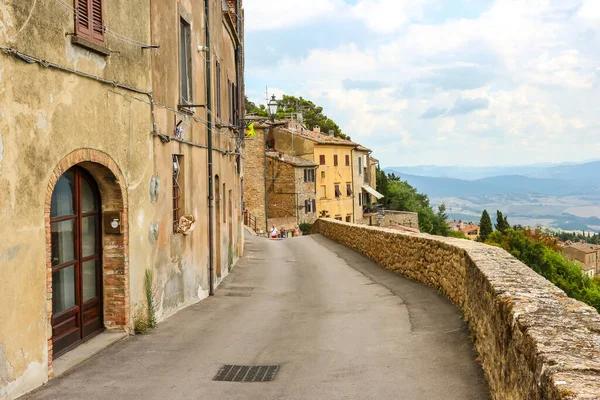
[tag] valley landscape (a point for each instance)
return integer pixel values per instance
(558, 196)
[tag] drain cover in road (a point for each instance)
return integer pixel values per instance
(247, 373)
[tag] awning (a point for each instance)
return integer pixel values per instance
(372, 192)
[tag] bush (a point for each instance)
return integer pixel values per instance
(458, 235)
(538, 251)
(305, 227)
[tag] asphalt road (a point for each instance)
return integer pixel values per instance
(340, 326)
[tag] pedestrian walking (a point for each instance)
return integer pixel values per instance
(274, 232)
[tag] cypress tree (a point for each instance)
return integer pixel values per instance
(485, 226)
(502, 224)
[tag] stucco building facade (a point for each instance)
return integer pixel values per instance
(587, 255)
(104, 134)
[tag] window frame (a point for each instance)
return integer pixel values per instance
(218, 89)
(89, 32)
(335, 160)
(337, 191)
(185, 63)
(347, 160)
(322, 159)
(349, 191)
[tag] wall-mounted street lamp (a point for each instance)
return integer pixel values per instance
(273, 106)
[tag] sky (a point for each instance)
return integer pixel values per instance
(438, 82)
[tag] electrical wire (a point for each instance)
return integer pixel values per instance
(106, 29)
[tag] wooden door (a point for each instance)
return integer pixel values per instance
(76, 260)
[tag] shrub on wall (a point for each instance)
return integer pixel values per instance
(535, 250)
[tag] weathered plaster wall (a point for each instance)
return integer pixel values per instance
(533, 341)
(289, 143)
(46, 114)
(306, 191)
(281, 188)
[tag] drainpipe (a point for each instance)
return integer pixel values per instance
(211, 194)
(353, 187)
(265, 179)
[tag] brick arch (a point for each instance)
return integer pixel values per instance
(115, 266)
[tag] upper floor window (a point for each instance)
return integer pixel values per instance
(338, 193)
(360, 169)
(347, 160)
(322, 159)
(218, 89)
(309, 175)
(185, 61)
(335, 160)
(349, 191)
(89, 22)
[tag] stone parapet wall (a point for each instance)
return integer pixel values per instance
(533, 341)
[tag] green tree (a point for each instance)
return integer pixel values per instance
(485, 226)
(252, 109)
(502, 224)
(401, 196)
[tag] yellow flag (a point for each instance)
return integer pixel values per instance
(250, 130)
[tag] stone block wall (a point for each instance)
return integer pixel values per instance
(402, 218)
(533, 341)
(254, 177)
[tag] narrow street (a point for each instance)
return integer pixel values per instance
(339, 326)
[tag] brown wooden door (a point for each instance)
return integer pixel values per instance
(76, 260)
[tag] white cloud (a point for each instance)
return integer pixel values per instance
(387, 16)
(537, 64)
(264, 15)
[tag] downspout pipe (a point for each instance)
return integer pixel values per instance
(211, 191)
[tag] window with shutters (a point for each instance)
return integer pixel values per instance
(309, 175)
(347, 160)
(348, 218)
(322, 159)
(338, 193)
(335, 160)
(185, 62)
(229, 101)
(349, 191)
(360, 165)
(89, 21)
(218, 89)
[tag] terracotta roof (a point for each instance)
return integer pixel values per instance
(470, 228)
(363, 148)
(320, 137)
(292, 160)
(585, 247)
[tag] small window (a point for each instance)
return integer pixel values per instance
(337, 191)
(349, 191)
(322, 176)
(335, 160)
(89, 21)
(347, 160)
(338, 218)
(314, 205)
(360, 169)
(360, 199)
(218, 89)
(348, 218)
(322, 159)
(309, 175)
(177, 190)
(185, 61)
(310, 206)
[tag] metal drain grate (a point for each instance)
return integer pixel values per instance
(247, 373)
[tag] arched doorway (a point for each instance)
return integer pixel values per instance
(76, 258)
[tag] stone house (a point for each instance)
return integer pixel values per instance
(290, 190)
(470, 229)
(105, 127)
(344, 168)
(588, 255)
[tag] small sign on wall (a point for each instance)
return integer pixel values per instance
(112, 222)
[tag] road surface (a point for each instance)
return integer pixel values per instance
(339, 326)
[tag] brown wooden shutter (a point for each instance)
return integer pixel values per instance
(314, 205)
(83, 24)
(322, 159)
(335, 160)
(97, 21)
(347, 160)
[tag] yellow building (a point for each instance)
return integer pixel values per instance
(344, 178)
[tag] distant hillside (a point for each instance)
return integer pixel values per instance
(499, 185)
(585, 170)
(588, 171)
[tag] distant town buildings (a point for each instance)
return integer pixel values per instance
(585, 254)
(468, 228)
